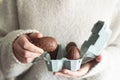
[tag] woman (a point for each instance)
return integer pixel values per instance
(66, 20)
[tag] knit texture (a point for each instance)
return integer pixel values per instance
(66, 20)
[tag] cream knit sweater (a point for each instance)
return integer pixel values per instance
(66, 20)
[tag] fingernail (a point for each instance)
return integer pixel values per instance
(41, 51)
(99, 58)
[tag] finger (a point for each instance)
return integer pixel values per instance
(35, 35)
(85, 68)
(68, 73)
(29, 60)
(20, 55)
(25, 44)
(61, 74)
(24, 53)
(77, 73)
(23, 59)
(18, 50)
(28, 54)
(71, 73)
(99, 58)
(19, 58)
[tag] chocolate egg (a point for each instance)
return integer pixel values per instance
(72, 51)
(48, 44)
(69, 45)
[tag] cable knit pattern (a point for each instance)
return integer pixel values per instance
(66, 20)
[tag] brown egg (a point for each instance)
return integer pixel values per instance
(53, 54)
(73, 53)
(69, 45)
(48, 44)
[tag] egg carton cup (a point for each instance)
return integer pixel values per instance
(61, 61)
(89, 50)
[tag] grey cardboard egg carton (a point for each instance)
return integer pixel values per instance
(89, 50)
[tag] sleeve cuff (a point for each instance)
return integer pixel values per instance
(13, 35)
(10, 65)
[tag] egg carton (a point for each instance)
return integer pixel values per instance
(61, 62)
(90, 49)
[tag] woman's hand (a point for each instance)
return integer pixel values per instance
(24, 50)
(85, 68)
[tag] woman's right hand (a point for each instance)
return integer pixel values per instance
(24, 50)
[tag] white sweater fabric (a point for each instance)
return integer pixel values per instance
(66, 20)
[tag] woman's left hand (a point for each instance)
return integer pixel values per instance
(85, 68)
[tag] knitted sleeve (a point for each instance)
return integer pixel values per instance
(111, 55)
(11, 67)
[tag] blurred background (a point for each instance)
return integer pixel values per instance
(0, 1)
